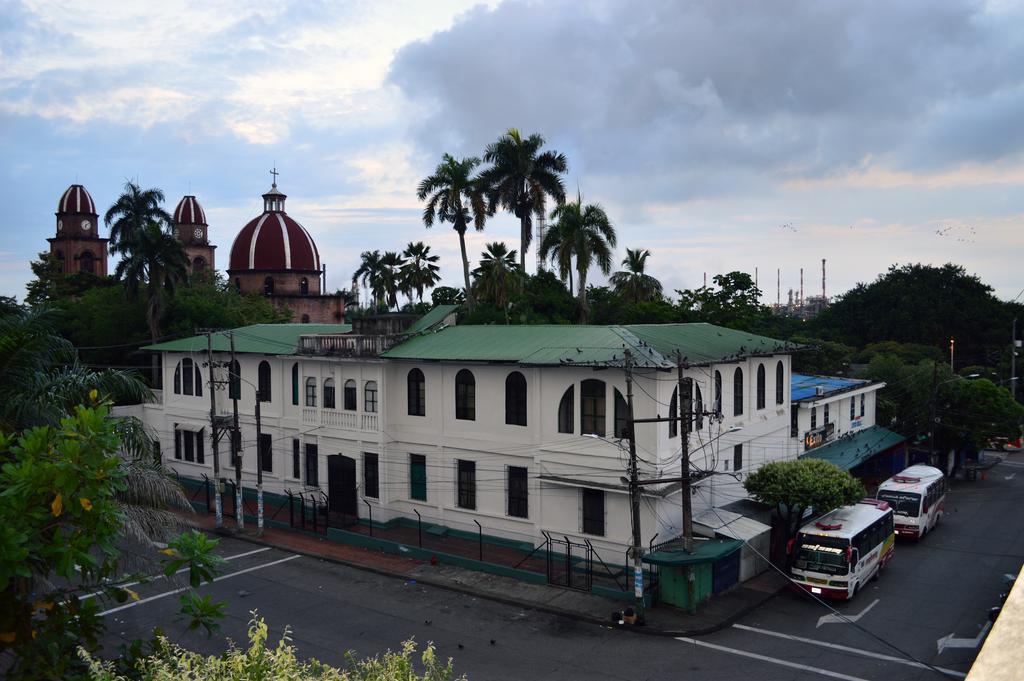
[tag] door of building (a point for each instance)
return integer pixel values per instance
(341, 484)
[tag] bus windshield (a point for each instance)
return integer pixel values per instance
(903, 503)
(821, 554)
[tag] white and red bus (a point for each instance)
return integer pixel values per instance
(918, 497)
(835, 555)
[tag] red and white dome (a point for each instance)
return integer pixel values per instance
(76, 200)
(189, 212)
(274, 241)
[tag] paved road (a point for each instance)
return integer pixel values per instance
(941, 586)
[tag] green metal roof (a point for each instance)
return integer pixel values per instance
(263, 339)
(653, 346)
(850, 451)
(435, 316)
(703, 552)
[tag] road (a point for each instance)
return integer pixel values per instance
(941, 586)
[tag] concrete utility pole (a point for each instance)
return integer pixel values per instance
(259, 466)
(213, 429)
(685, 426)
(634, 495)
(236, 443)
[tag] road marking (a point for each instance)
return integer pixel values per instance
(848, 649)
(184, 569)
(185, 588)
(972, 643)
(845, 619)
(1009, 477)
(772, 660)
(1017, 464)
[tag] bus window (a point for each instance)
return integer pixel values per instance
(822, 554)
(904, 503)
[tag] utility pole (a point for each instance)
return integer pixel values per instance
(236, 444)
(634, 495)
(259, 466)
(685, 426)
(213, 429)
(931, 418)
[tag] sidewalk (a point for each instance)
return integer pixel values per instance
(715, 614)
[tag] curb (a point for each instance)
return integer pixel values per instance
(486, 595)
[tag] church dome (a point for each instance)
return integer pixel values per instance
(274, 241)
(189, 212)
(76, 199)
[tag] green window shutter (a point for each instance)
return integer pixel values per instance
(418, 477)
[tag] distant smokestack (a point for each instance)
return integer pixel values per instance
(800, 300)
(755, 276)
(705, 280)
(824, 298)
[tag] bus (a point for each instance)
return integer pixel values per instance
(917, 496)
(839, 552)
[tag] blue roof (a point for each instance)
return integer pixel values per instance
(803, 386)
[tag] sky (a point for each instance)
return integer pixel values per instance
(720, 135)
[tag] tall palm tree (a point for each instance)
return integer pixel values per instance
(156, 259)
(391, 277)
(456, 197)
(588, 234)
(369, 274)
(634, 283)
(133, 211)
(420, 270)
(521, 179)
(498, 276)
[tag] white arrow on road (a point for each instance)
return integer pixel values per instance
(1009, 477)
(843, 619)
(972, 643)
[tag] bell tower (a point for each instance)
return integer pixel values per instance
(192, 231)
(78, 245)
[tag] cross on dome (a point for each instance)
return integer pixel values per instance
(273, 171)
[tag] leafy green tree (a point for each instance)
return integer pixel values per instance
(521, 179)
(157, 260)
(420, 270)
(369, 274)
(821, 357)
(447, 295)
(588, 234)
(735, 304)
(135, 211)
(911, 353)
(498, 277)
(170, 662)
(791, 487)
(51, 284)
(633, 283)
(214, 302)
(454, 195)
(544, 299)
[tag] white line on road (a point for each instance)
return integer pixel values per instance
(951, 641)
(185, 588)
(184, 569)
(1017, 464)
(772, 660)
(845, 619)
(848, 649)
(1011, 476)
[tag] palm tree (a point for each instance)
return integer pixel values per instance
(391, 277)
(157, 259)
(520, 180)
(455, 197)
(498, 276)
(588, 234)
(133, 211)
(369, 274)
(420, 270)
(633, 283)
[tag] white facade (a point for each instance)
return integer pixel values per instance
(559, 466)
(849, 409)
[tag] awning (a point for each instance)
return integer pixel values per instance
(729, 524)
(706, 551)
(190, 426)
(853, 449)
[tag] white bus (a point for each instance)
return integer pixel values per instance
(917, 496)
(839, 552)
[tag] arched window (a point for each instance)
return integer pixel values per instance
(263, 381)
(417, 388)
(760, 386)
(234, 381)
(718, 392)
(295, 383)
(310, 391)
(673, 411)
(198, 381)
(737, 392)
(350, 395)
(592, 408)
(814, 418)
(187, 376)
(698, 405)
(465, 395)
(515, 399)
(621, 416)
(853, 408)
(87, 262)
(268, 286)
(177, 379)
(305, 319)
(198, 264)
(567, 411)
(370, 397)
(304, 287)
(780, 380)
(328, 393)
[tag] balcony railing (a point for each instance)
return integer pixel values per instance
(345, 420)
(346, 345)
